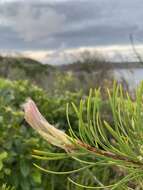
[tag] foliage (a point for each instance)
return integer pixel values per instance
(21, 68)
(109, 155)
(17, 139)
(88, 72)
(5, 187)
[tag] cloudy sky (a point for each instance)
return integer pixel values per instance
(54, 30)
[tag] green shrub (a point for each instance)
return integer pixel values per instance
(5, 187)
(18, 140)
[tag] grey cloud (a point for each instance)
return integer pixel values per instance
(49, 24)
(32, 23)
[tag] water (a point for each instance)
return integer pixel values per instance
(133, 76)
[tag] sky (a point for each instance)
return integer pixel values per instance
(57, 31)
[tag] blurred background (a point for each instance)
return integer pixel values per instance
(42, 39)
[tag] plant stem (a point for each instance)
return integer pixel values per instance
(108, 154)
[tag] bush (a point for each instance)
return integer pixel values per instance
(17, 139)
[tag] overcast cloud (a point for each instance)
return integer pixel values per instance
(55, 24)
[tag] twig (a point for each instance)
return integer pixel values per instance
(108, 154)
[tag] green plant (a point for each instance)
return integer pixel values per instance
(5, 187)
(100, 148)
(17, 139)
